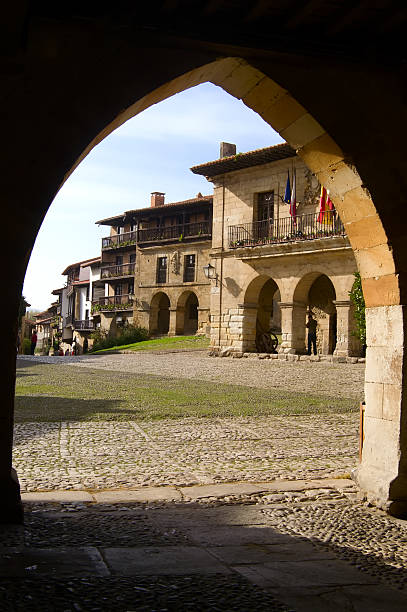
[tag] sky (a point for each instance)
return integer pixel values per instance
(151, 152)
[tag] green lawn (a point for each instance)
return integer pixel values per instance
(160, 344)
(57, 392)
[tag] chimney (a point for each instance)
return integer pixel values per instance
(227, 149)
(157, 199)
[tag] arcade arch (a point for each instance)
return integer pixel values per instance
(383, 472)
(159, 314)
(187, 314)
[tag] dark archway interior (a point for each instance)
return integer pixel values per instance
(70, 72)
(321, 297)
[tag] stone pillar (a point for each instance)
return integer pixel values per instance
(175, 321)
(347, 345)
(203, 321)
(382, 474)
(292, 327)
(249, 312)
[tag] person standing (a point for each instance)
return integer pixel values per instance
(312, 334)
(33, 341)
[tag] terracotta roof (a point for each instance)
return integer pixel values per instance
(245, 160)
(81, 263)
(154, 209)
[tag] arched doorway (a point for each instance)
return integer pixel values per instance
(321, 298)
(160, 314)
(66, 132)
(191, 314)
(268, 316)
(260, 313)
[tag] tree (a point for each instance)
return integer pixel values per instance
(358, 300)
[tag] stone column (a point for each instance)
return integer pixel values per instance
(382, 474)
(346, 344)
(203, 321)
(248, 338)
(176, 318)
(292, 327)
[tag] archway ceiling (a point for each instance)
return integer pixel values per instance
(373, 31)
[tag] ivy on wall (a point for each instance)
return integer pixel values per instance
(358, 300)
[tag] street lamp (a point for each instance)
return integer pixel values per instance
(210, 272)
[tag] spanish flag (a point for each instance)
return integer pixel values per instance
(293, 202)
(326, 208)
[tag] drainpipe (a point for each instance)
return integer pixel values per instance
(221, 260)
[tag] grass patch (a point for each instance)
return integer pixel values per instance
(159, 344)
(55, 393)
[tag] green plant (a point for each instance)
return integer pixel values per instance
(26, 346)
(358, 301)
(127, 335)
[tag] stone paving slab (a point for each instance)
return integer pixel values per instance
(309, 573)
(249, 554)
(57, 496)
(148, 494)
(51, 562)
(173, 560)
(361, 598)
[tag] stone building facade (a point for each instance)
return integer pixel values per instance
(152, 265)
(272, 267)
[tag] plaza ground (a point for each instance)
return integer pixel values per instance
(177, 481)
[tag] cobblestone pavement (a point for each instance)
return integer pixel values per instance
(98, 455)
(310, 550)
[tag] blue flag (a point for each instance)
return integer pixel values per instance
(287, 195)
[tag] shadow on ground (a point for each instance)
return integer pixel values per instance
(48, 408)
(183, 557)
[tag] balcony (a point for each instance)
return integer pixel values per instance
(117, 271)
(304, 227)
(171, 233)
(84, 325)
(176, 233)
(113, 303)
(119, 241)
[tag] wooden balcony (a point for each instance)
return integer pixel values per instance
(288, 229)
(113, 303)
(117, 271)
(171, 233)
(119, 241)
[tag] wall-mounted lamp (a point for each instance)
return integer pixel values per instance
(210, 272)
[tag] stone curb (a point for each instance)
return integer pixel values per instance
(195, 492)
(217, 352)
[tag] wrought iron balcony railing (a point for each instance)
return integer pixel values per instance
(84, 324)
(288, 229)
(113, 302)
(170, 233)
(117, 270)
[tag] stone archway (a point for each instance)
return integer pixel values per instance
(321, 302)
(64, 133)
(187, 314)
(259, 312)
(159, 314)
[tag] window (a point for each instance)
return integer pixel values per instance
(118, 290)
(132, 259)
(265, 206)
(162, 270)
(189, 268)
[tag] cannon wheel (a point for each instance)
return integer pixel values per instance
(273, 341)
(267, 342)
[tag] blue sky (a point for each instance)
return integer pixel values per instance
(151, 152)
